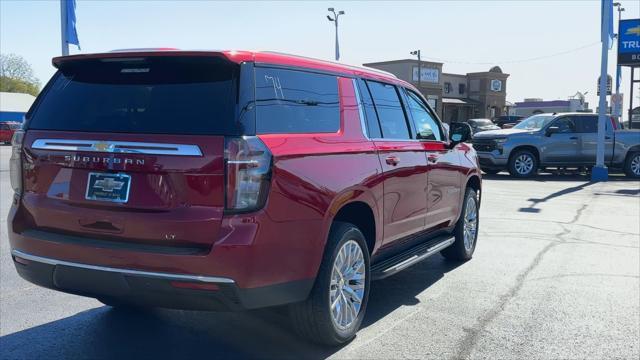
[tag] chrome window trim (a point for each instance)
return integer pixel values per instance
(363, 125)
(152, 274)
(123, 147)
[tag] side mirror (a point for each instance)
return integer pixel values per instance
(460, 132)
(552, 130)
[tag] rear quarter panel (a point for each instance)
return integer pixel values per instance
(314, 175)
(625, 141)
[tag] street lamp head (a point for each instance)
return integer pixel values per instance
(414, 52)
(330, 9)
(616, 4)
(341, 13)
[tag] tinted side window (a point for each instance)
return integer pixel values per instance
(371, 117)
(588, 124)
(565, 124)
(387, 103)
(289, 101)
(426, 125)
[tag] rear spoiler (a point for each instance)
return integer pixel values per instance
(232, 56)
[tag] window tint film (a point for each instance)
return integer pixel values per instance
(163, 95)
(389, 109)
(565, 124)
(289, 101)
(426, 125)
(588, 124)
(373, 126)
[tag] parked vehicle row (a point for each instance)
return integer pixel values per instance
(507, 121)
(557, 140)
(7, 128)
(236, 180)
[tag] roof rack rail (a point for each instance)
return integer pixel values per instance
(354, 67)
(144, 49)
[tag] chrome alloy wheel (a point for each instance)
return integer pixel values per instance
(346, 290)
(470, 223)
(524, 164)
(635, 165)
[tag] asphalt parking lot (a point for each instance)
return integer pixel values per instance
(555, 275)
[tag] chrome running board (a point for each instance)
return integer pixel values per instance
(410, 257)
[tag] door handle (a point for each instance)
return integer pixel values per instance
(392, 160)
(607, 137)
(573, 138)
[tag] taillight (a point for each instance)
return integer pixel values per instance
(15, 162)
(248, 173)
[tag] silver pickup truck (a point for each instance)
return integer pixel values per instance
(556, 140)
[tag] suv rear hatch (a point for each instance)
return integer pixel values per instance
(130, 150)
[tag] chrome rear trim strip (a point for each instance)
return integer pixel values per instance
(151, 274)
(125, 147)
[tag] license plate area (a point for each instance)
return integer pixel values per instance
(108, 187)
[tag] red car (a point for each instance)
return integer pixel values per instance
(6, 131)
(236, 180)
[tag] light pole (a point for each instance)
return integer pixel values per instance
(417, 52)
(618, 68)
(335, 17)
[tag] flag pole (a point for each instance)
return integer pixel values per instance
(63, 28)
(600, 172)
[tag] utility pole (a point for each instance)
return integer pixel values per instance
(335, 17)
(417, 52)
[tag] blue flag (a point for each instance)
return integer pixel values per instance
(606, 30)
(72, 33)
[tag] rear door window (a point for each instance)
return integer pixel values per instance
(587, 124)
(291, 101)
(157, 95)
(393, 121)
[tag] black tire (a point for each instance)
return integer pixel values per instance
(312, 318)
(632, 162)
(457, 251)
(523, 155)
(491, 171)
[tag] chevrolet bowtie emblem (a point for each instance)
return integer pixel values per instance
(103, 146)
(108, 184)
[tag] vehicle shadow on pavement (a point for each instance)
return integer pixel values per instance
(104, 332)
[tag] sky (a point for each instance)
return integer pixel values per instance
(467, 36)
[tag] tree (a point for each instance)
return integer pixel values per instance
(16, 75)
(11, 85)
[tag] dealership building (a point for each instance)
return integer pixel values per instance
(455, 97)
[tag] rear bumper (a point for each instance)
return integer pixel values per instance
(254, 261)
(155, 289)
(492, 159)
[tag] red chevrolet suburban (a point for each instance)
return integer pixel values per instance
(230, 180)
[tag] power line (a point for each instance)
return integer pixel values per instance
(514, 61)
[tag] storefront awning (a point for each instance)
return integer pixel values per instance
(462, 102)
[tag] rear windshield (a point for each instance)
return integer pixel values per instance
(161, 95)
